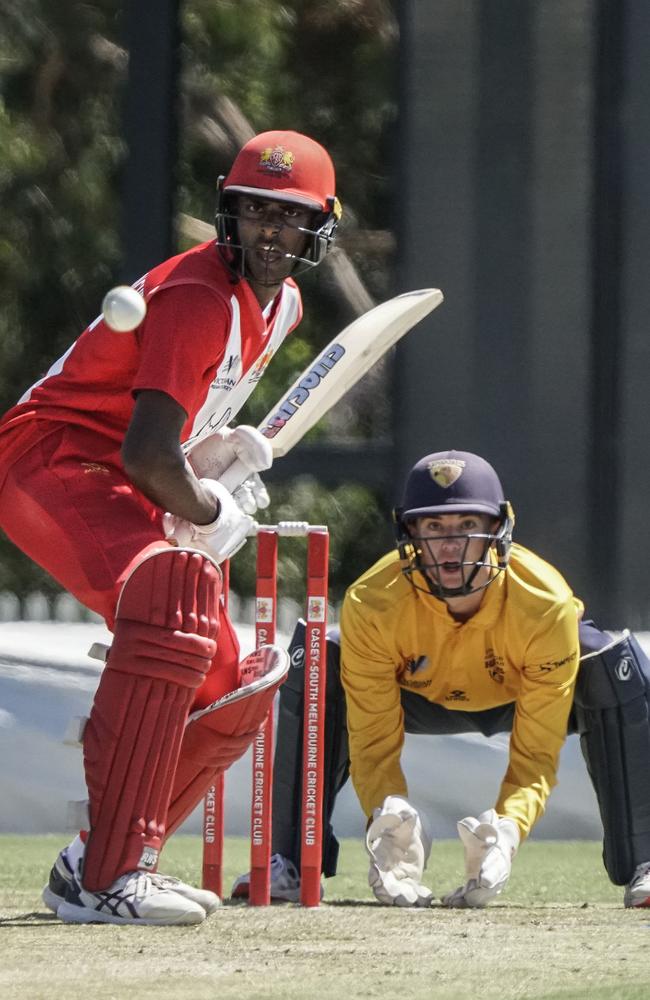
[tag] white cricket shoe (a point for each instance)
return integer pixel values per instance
(285, 882)
(67, 863)
(133, 898)
(637, 891)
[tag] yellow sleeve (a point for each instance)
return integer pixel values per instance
(541, 716)
(374, 709)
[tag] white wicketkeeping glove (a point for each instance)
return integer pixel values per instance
(490, 844)
(396, 844)
(220, 538)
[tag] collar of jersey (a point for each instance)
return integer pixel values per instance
(485, 617)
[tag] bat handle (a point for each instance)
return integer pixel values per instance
(235, 475)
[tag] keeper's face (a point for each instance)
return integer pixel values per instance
(452, 545)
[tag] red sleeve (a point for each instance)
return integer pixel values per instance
(182, 340)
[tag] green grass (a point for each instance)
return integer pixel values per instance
(557, 872)
(559, 932)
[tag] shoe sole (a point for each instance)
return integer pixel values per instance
(51, 900)
(71, 914)
(633, 904)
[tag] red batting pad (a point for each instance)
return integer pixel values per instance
(165, 639)
(219, 735)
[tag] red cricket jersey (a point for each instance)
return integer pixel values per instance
(205, 342)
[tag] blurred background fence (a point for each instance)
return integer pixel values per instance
(498, 149)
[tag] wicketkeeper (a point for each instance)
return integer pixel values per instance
(458, 630)
(96, 488)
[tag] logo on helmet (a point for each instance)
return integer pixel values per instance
(445, 471)
(277, 160)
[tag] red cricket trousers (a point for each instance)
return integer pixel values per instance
(66, 502)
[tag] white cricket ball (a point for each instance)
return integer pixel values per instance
(123, 308)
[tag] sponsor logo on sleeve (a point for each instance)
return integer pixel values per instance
(551, 665)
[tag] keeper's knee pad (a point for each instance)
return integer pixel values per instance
(612, 717)
(165, 639)
(287, 769)
(217, 736)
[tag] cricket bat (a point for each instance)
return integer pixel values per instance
(345, 360)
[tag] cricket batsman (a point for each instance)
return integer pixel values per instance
(460, 630)
(97, 486)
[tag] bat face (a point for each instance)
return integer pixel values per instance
(345, 360)
(301, 392)
(342, 364)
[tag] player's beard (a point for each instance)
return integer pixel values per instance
(268, 264)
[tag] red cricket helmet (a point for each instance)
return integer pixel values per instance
(281, 166)
(288, 166)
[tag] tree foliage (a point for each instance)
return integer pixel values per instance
(322, 66)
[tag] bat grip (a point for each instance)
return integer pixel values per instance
(235, 475)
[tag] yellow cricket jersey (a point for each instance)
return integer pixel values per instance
(521, 646)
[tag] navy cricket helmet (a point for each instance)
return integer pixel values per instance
(453, 482)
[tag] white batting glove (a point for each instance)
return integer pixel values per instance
(490, 844)
(220, 538)
(252, 495)
(210, 457)
(396, 844)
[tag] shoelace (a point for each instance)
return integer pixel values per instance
(138, 887)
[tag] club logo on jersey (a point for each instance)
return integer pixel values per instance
(300, 393)
(277, 160)
(494, 666)
(259, 367)
(445, 471)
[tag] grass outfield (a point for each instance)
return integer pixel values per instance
(559, 933)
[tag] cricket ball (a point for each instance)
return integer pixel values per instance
(123, 308)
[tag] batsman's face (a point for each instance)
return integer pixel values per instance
(452, 544)
(271, 232)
